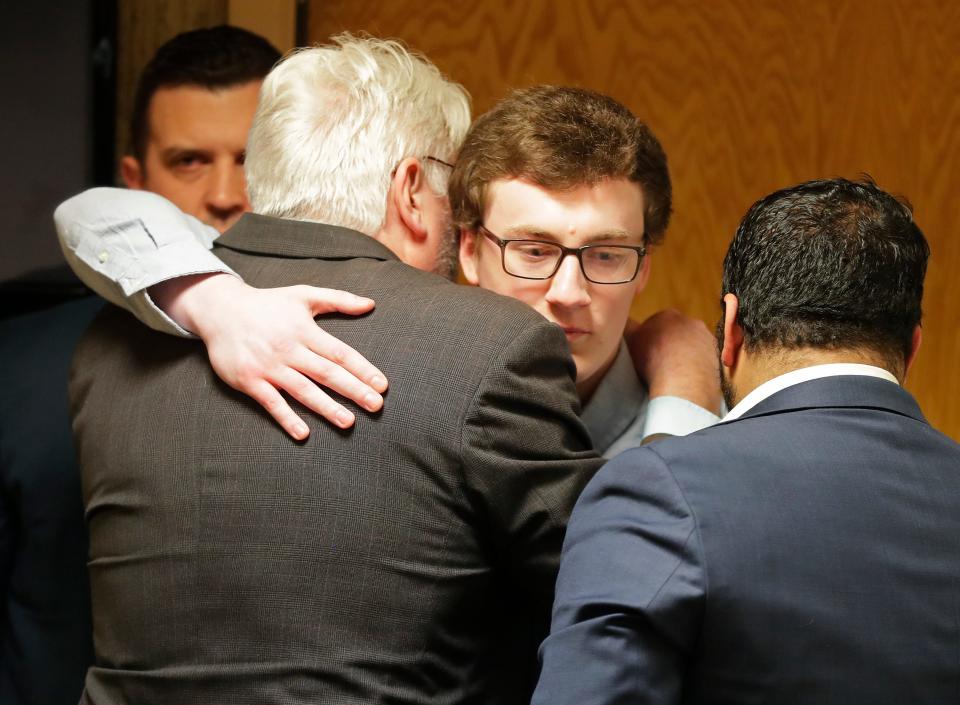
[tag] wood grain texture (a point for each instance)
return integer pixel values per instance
(747, 96)
(142, 26)
(275, 20)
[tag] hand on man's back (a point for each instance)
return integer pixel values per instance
(264, 341)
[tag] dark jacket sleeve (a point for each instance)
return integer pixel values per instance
(527, 456)
(630, 591)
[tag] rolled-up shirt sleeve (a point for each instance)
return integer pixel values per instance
(120, 242)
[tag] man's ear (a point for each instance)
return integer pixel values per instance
(409, 193)
(469, 242)
(132, 172)
(914, 349)
(732, 332)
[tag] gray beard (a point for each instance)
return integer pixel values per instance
(448, 256)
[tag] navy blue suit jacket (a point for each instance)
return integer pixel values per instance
(808, 552)
(46, 641)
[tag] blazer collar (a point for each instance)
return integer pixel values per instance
(280, 237)
(847, 391)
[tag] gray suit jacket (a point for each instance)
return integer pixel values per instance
(381, 564)
(805, 553)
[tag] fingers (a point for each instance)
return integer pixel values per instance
(337, 378)
(270, 399)
(321, 300)
(312, 397)
(266, 392)
(297, 378)
(342, 355)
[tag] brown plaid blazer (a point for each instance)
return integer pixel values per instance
(408, 560)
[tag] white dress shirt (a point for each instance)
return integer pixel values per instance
(619, 415)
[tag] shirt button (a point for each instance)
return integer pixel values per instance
(103, 257)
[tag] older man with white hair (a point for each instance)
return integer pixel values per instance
(409, 558)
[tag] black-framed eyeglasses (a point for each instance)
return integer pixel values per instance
(428, 158)
(538, 259)
(425, 158)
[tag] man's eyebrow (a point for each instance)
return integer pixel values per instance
(177, 151)
(533, 232)
(611, 235)
(530, 232)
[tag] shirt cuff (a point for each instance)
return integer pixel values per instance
(170, 262)
(178, 259)
(674, 416)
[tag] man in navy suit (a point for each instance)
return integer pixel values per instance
(806, 550)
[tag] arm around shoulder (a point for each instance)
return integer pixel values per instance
(130, 246)
(120, 242)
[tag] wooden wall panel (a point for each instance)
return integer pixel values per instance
(275, 20)
(747, 96)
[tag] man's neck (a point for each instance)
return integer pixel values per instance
(756, 367)
(586, 388)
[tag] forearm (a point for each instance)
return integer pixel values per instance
(533, 468)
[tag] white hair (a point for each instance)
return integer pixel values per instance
(334, 121)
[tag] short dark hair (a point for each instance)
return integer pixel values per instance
(559, 138)
(212, 58)
(831, 264)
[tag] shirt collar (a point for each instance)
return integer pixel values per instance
(805, 374)
(616, 402)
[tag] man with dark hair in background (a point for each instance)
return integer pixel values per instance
(805, 550)
(192, 111)
(195, 102)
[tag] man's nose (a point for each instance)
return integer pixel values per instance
(569, 287)
(226, 195)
